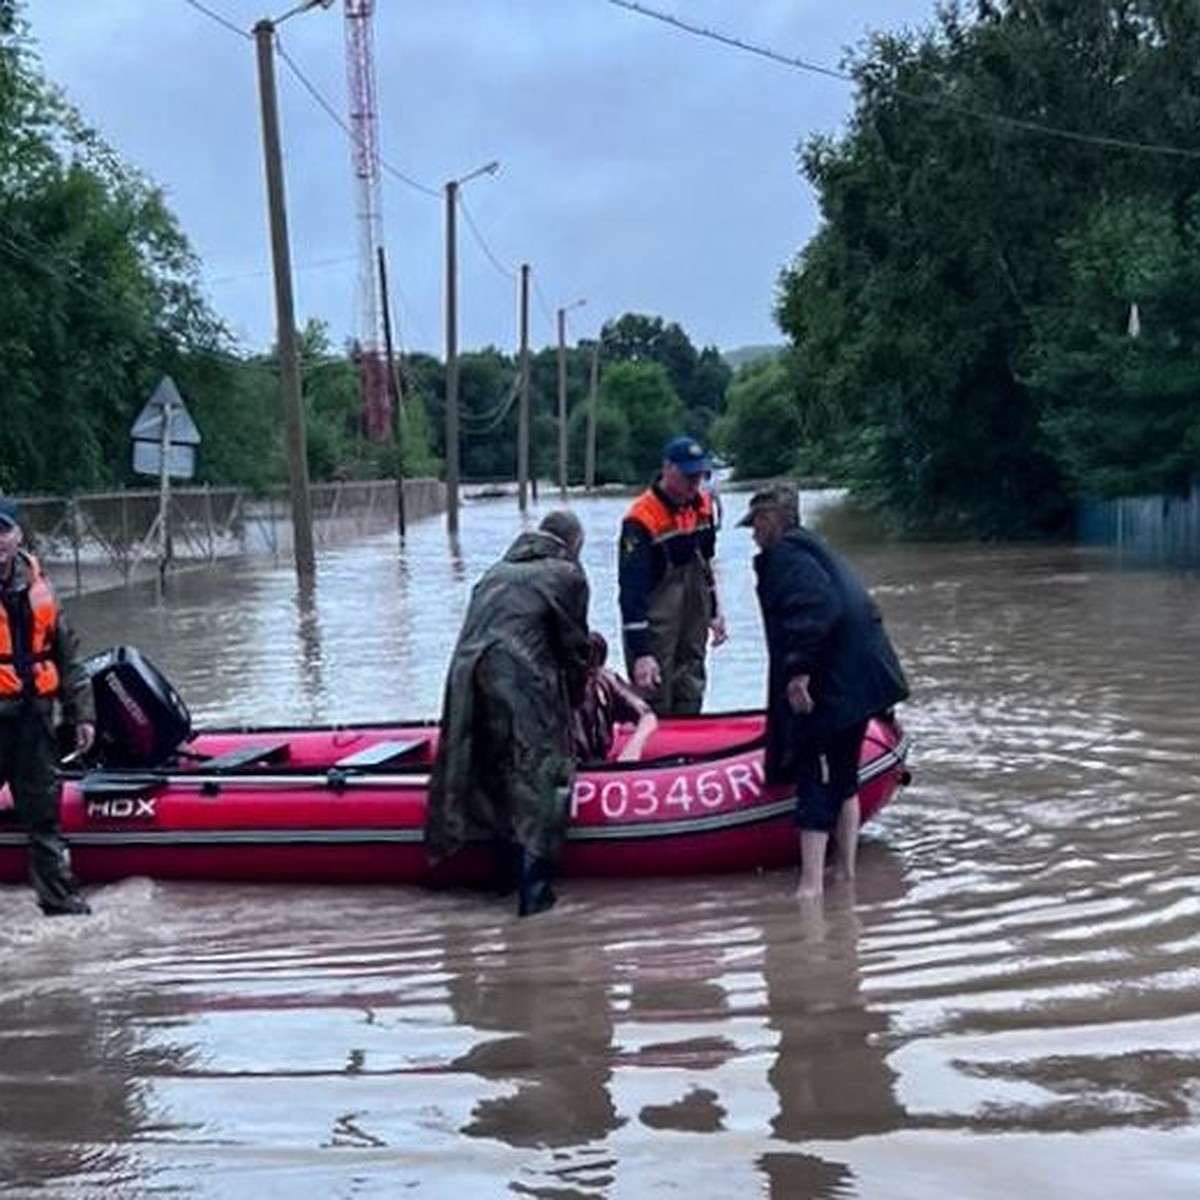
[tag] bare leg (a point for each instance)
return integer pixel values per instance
(813, 845)
(849, 820)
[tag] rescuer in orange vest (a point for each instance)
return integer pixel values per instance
(41, 686)
(668, 593)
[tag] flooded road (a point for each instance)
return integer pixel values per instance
(1007, 1003)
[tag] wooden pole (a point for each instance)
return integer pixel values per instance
(523, 405)
(451, 359)
(289, 361)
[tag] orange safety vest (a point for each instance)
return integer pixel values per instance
(665, 524)
(39, 666)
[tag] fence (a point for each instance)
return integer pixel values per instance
(110, 538)
(1159, 529)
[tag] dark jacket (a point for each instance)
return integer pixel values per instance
(658, 534)
(820, 622)
(519, 665)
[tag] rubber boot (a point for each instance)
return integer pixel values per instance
(73, 905)
(50, 872)
(509, 858)
(536, 895)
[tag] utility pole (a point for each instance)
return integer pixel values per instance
(589, 453)
(393, 382)
(289, 361)
(452, 341)
(562, 394)
(589, 460)
(164, 496)
(523, 404)
(562, 402)
(452, 358)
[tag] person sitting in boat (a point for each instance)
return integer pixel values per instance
(504, 769)
(608, 702)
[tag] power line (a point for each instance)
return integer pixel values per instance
(31, 258)
(330, 111)
(338, 120)
(477, 425)
(220, 20)
(975, 114)
(314, 92)
(729, 40)
(547, 312)
(52, 260)
(508, 274)
(319, 264)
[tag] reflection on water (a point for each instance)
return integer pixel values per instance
(1009, 994)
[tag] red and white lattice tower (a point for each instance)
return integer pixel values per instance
(364, 123)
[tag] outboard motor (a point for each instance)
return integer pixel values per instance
(140, 719)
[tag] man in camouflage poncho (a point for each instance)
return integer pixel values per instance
(504, 769)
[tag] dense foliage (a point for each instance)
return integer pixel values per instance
(998, 314)
(100, 298)
(651, 383)
(97, 293)
(960, 322)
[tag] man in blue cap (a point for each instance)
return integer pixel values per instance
(41, 681)
(668, 593)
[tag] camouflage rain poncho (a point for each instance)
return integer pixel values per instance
(504, 767)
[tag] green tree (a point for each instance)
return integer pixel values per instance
(613, 460)
(1120, 407)
(98, 288)
(760, 431)
(487, 384)
(707, 392)
(235, 404)
(913, 311)
(699, 380)
(641, 393)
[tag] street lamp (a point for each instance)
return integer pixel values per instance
(285, 316)
(562, 393)
(304, 6)
(451, 189)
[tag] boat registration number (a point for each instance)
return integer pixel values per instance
(668, 795)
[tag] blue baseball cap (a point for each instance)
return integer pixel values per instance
(10, 511)
(687, 454)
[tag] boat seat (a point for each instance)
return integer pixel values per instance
(381, 754)
(97, 785)
(255, 754)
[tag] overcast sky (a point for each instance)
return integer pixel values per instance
(643, 168)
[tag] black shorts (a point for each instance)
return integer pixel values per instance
(826, 777)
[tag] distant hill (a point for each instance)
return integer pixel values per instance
(747, 354)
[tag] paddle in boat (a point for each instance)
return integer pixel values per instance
(346, 803)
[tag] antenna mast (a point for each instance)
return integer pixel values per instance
(360, 75)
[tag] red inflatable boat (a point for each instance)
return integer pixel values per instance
(346, 804)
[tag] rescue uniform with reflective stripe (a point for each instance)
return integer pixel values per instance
(27, 666)
(41, 682)
(667, 593)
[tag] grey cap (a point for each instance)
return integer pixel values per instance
(780, 497)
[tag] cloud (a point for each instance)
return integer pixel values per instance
(642, 167)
